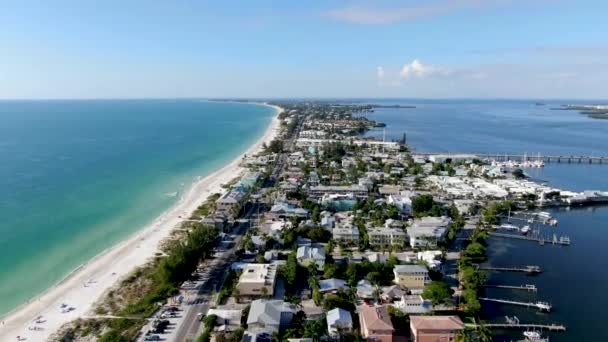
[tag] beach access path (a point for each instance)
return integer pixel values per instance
(76, 295)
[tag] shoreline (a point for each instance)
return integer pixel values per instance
(86, 284)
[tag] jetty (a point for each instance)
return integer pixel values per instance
(562, 240)
(530, 269)
(548, 158)
(526, 287)
(541, 306)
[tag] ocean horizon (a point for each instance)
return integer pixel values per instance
(80, 176)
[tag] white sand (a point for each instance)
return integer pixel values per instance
(86, 285)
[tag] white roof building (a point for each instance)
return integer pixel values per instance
(427, 231)
(339, 319)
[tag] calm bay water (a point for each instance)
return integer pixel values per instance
(575, 277)
(78, 176)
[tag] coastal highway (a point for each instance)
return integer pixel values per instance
(190, 325)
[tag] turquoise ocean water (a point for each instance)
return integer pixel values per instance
(77, 177)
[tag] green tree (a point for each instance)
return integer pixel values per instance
(438, 292)
(422, 204)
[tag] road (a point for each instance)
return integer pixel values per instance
(190, 326)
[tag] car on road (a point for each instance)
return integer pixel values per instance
(152, 338)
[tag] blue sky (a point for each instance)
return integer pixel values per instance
(430, 48)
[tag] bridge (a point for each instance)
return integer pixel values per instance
(548, 158)
(541, 306)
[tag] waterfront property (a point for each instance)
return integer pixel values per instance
(375, 323)
(435, 328)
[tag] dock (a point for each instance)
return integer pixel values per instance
(541, 240)
(523, 326)
(530, 269)
(541, 306)
(579, 159)
(527, 287)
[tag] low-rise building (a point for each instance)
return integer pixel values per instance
(269, 316)
(357, 191)
(411, 276)
(427, 231)
(282, 210)
(413, 304)
(435, 328)
(332, 285)
(379, 237)
(309, 254)
(255, 278)
(376, 324)
(339, 320)
(349, 236)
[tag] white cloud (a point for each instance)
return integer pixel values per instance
(367, 15)
(420, 70)
(380, 73)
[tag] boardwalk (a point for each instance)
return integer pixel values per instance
(521, 157)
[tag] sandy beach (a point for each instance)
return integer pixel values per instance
(87, 284)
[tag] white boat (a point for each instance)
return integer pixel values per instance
(543, 214)
(553, 222)
(534, 336)
(525, 229)
(508, 226)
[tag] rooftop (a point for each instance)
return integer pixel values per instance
(436, 322)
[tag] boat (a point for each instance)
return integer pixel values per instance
(525, 229)
(534, 336)
(553, 222)
(508, 226)
(543, 214)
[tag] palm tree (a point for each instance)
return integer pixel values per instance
(483, 333)
(465, 335)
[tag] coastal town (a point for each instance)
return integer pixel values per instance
(331, 236)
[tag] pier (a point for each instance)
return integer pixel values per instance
(527, 287)
(530, 269)
(579, 159)
(562, 240)
(541, 306)
(523, 326)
